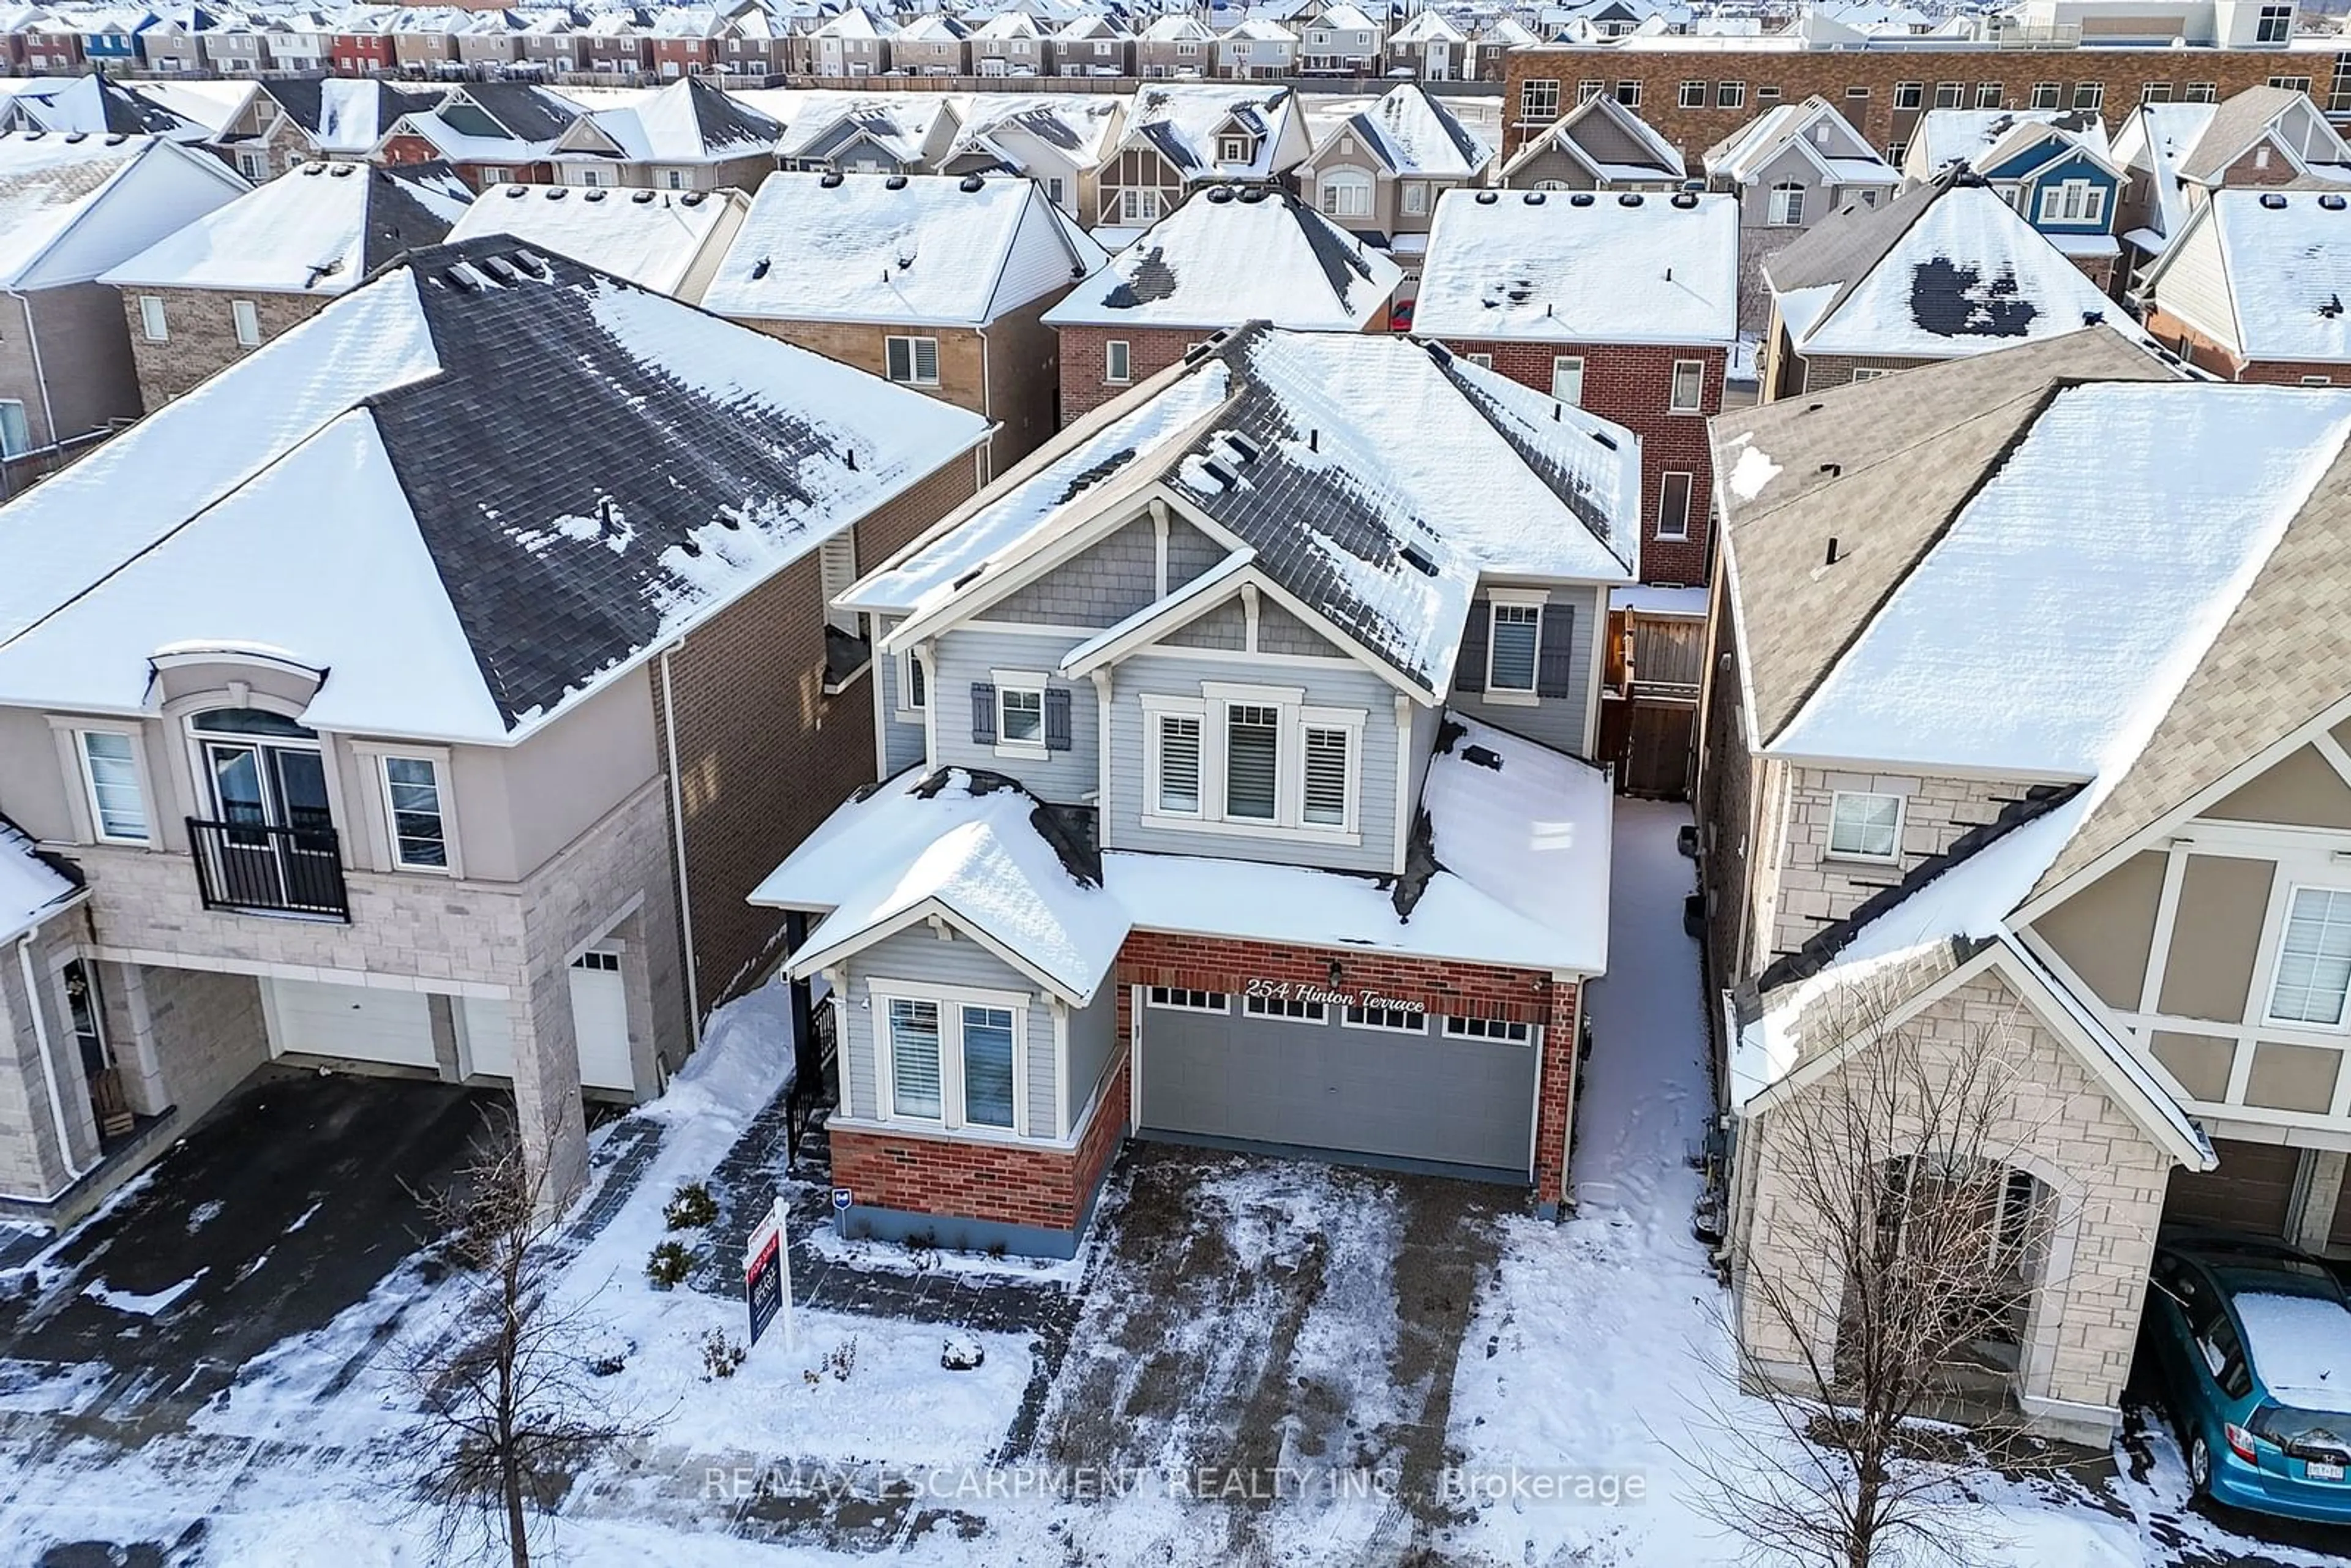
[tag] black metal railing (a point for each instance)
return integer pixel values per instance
(257, 869)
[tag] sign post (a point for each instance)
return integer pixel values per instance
(767, 1277)
(841, 1198)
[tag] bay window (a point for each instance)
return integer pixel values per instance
(1252, 758)
(950, 1056)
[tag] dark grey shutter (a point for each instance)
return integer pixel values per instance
(1057, 719)
(1470, 670)
(1555, 653)
(983, 713)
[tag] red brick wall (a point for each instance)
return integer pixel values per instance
(1084, 357)
(2206, 355)
(1631, 386)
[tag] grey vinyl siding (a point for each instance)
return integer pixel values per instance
(1336, 684)
(1556, 722)
(1190, 552)
(965, 656)
(902, 739)
(1224, 628)
(1100, 587)
(2195, 284)
(1093, 1041)
(918, 958)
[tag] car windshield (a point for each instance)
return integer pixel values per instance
(2300, 1346)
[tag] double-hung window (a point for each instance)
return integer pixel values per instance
(987, 1066)
(1689, 394)
(1177, 777)
(1252, 762)
(1021, 715)
(1118, 361)
(1785, 209)
(1567, 379)
(1864, 826)
(914, 361)
(1693, 95)
(118, 801)
(1138, 206)
(1325, 801)
(2073, 201)
(1510, 648)
(1251, 758)
(2314, 961)
(1415, 199)
(914, 685)
(915, 1058)
(414, 803)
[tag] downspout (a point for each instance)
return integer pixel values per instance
(48, 1072)
(677, 847)
(987, 407)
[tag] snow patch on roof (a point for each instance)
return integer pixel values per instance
(1254, 256)
(654, 243)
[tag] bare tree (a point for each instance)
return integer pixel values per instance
(1893, 1238)
(506, 1386)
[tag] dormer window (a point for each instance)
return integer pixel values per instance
(1233, 149)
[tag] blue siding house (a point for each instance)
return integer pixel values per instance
(111, 40)
(2066, 186)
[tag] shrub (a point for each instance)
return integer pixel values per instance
(691, 1209)
(721, 1357)
(669, 1265)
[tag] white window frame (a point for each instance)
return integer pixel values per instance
(1296, 716)
(1483, 361)
(154, 321)
(1836, 805)
(1730, 95)
(1118, 361)
(1178, 999)
(1009, 682)
(1138, 205)
(1456, 1027)
(495, 174)
(1416, 198)
(2269, 1015)
(1156, 711)
(2073, 201)
(909, 661)
(1692, 95)
(385, 850)
(1689, 502)
(950, 1000)
(1515, 598)
(441, 793)
(913, 377)
(82, 765)
(1225, 150)
(1868, 372)
(245, 318)
(1568, 369)
(1344, 193)
(1674, 387)
(1784, 208)
(1357, 1018)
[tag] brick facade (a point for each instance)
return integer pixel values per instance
(1630, 385)
(407, 149)
(2199, 349)
(1771, 75)
(202, 341)
(1085, 357)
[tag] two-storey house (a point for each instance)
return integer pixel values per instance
(692, 135)
(1175, 47)
(378, 748)
(852, 42)
(1092, 45)
(1251, 254)
(684, 40)
(1008, 44)
(1627, 305)
(1379, 172)
(2251, 288)
(2091, 830)
(1791, 166)
(903, 133)
(1946, 270)
(1339, 41)
(490, 44)
(424, 42)
(1430, 46)
(205, 295)
(669, 242)
(1181, 139)
(931, 46)
(929, 281)
(2057, 169)
(2263, 136)
(1233, 794)
(1058, 139)
(1598, 145)
(1256, 47)
(491, 133)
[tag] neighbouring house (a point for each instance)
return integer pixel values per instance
(2023, 755)
(372, 745)
(492, 133)
(1008, 44)
(2251, 288)
(358, 43)
(1233, 794)
(1183, 138)
(290, 120)
(1598, 145)
(1175, 47)
(1339, 41)
(1430, 47)
(2263, 136)
(1791, 166)
(424, 42)
(1237, 254)
(1489, 50)
(1945, 270)
(854, 133)
(852, 42)
(2057, 169)
(1257, 47)
(2148, 147)
(615, 43)
(205, 295)
(692, 135)
(72, 206)
(1092, 45)
(1058, 139)
(931, 46)
(490, 44)
(1379, 172)
(1627, 305)
(926, 280)
(684, 40)
(669, 242)
(96, 105)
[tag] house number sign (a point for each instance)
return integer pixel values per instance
(1271, 990)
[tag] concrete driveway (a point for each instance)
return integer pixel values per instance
(288, 1204)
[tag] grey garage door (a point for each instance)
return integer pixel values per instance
(1326, 1085)
(2252, 1190)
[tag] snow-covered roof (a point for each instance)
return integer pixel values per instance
(689, 121)
(919, 249)
(1228, 256)
(1430, 26)
(1582, 266)
(540, 474)
(656, 239)
(348, 116)
(1946, 268)
(901, 124)
(1181, 122)
(2284, 266)
(1415, 134)
(31, 887)
(2155, 137)
(1375, 480)
(2244, 118)
(95, 105)
(967, 848)
(1846, 154)
(1947, 136)
(1616, 125)
(1076, 125)
(319, 229)
(51, 184)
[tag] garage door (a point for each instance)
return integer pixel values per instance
(2250, 1191)
(1320, 1083)
(599, 1017)
(489, 1037)
(358, 1022)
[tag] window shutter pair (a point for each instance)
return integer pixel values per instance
(1555, 652)
(1470, 670)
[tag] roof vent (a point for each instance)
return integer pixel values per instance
(314, 170)
(1482, 756)
(1242, 446)
(895, 182)
(538, 265)
(1830, 559)
(691, 199)
(970, 576)
(117, 139)
(1582, 199)
(35, 135)
(343, 170)
(1255, 193)
(832, 178)
(1418, 559)
(1224, 477)
(1532, 198)
(759, 268)
(1488, 198)
(688, 545)
(512, 191)
(2332, 203)
(641, 197)
(555, 193)
(463, 278)
(1834, 470)
(1629, 199)
(1220, 194)
(592, 197)
(971, 183)
(502, 269)
(1602, 437)
(2272, 200)
(74, 136)
(1684, 200)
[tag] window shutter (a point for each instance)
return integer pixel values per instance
(1555, 653)
(1057, 719)
(1469, 671)
(983, 713)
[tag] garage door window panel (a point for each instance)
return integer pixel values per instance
(1488, 1028)
(1282, 1007)
(1391, 1020)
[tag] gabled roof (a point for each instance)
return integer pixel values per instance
(655, 239)
(97, 105)
(1076, 125)
(1660, 159)
(2242, 118)
(51, 184)
(1415, 134)
(346, 115)
(540, 474)
(1945, 268)
(319, 229)
(1947, 136)
(1181, 120)
(1228, 256)
(901, 124)
(1374, 480)
(1428, 25)
(919, 249)
(2152, 137)
(689, 121)
(1582, 266)
(2263, 272)
(1742, 154)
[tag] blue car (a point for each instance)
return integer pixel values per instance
(2252, 1343)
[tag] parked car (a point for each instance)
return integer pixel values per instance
(1400, 319)
(2253, 1347)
